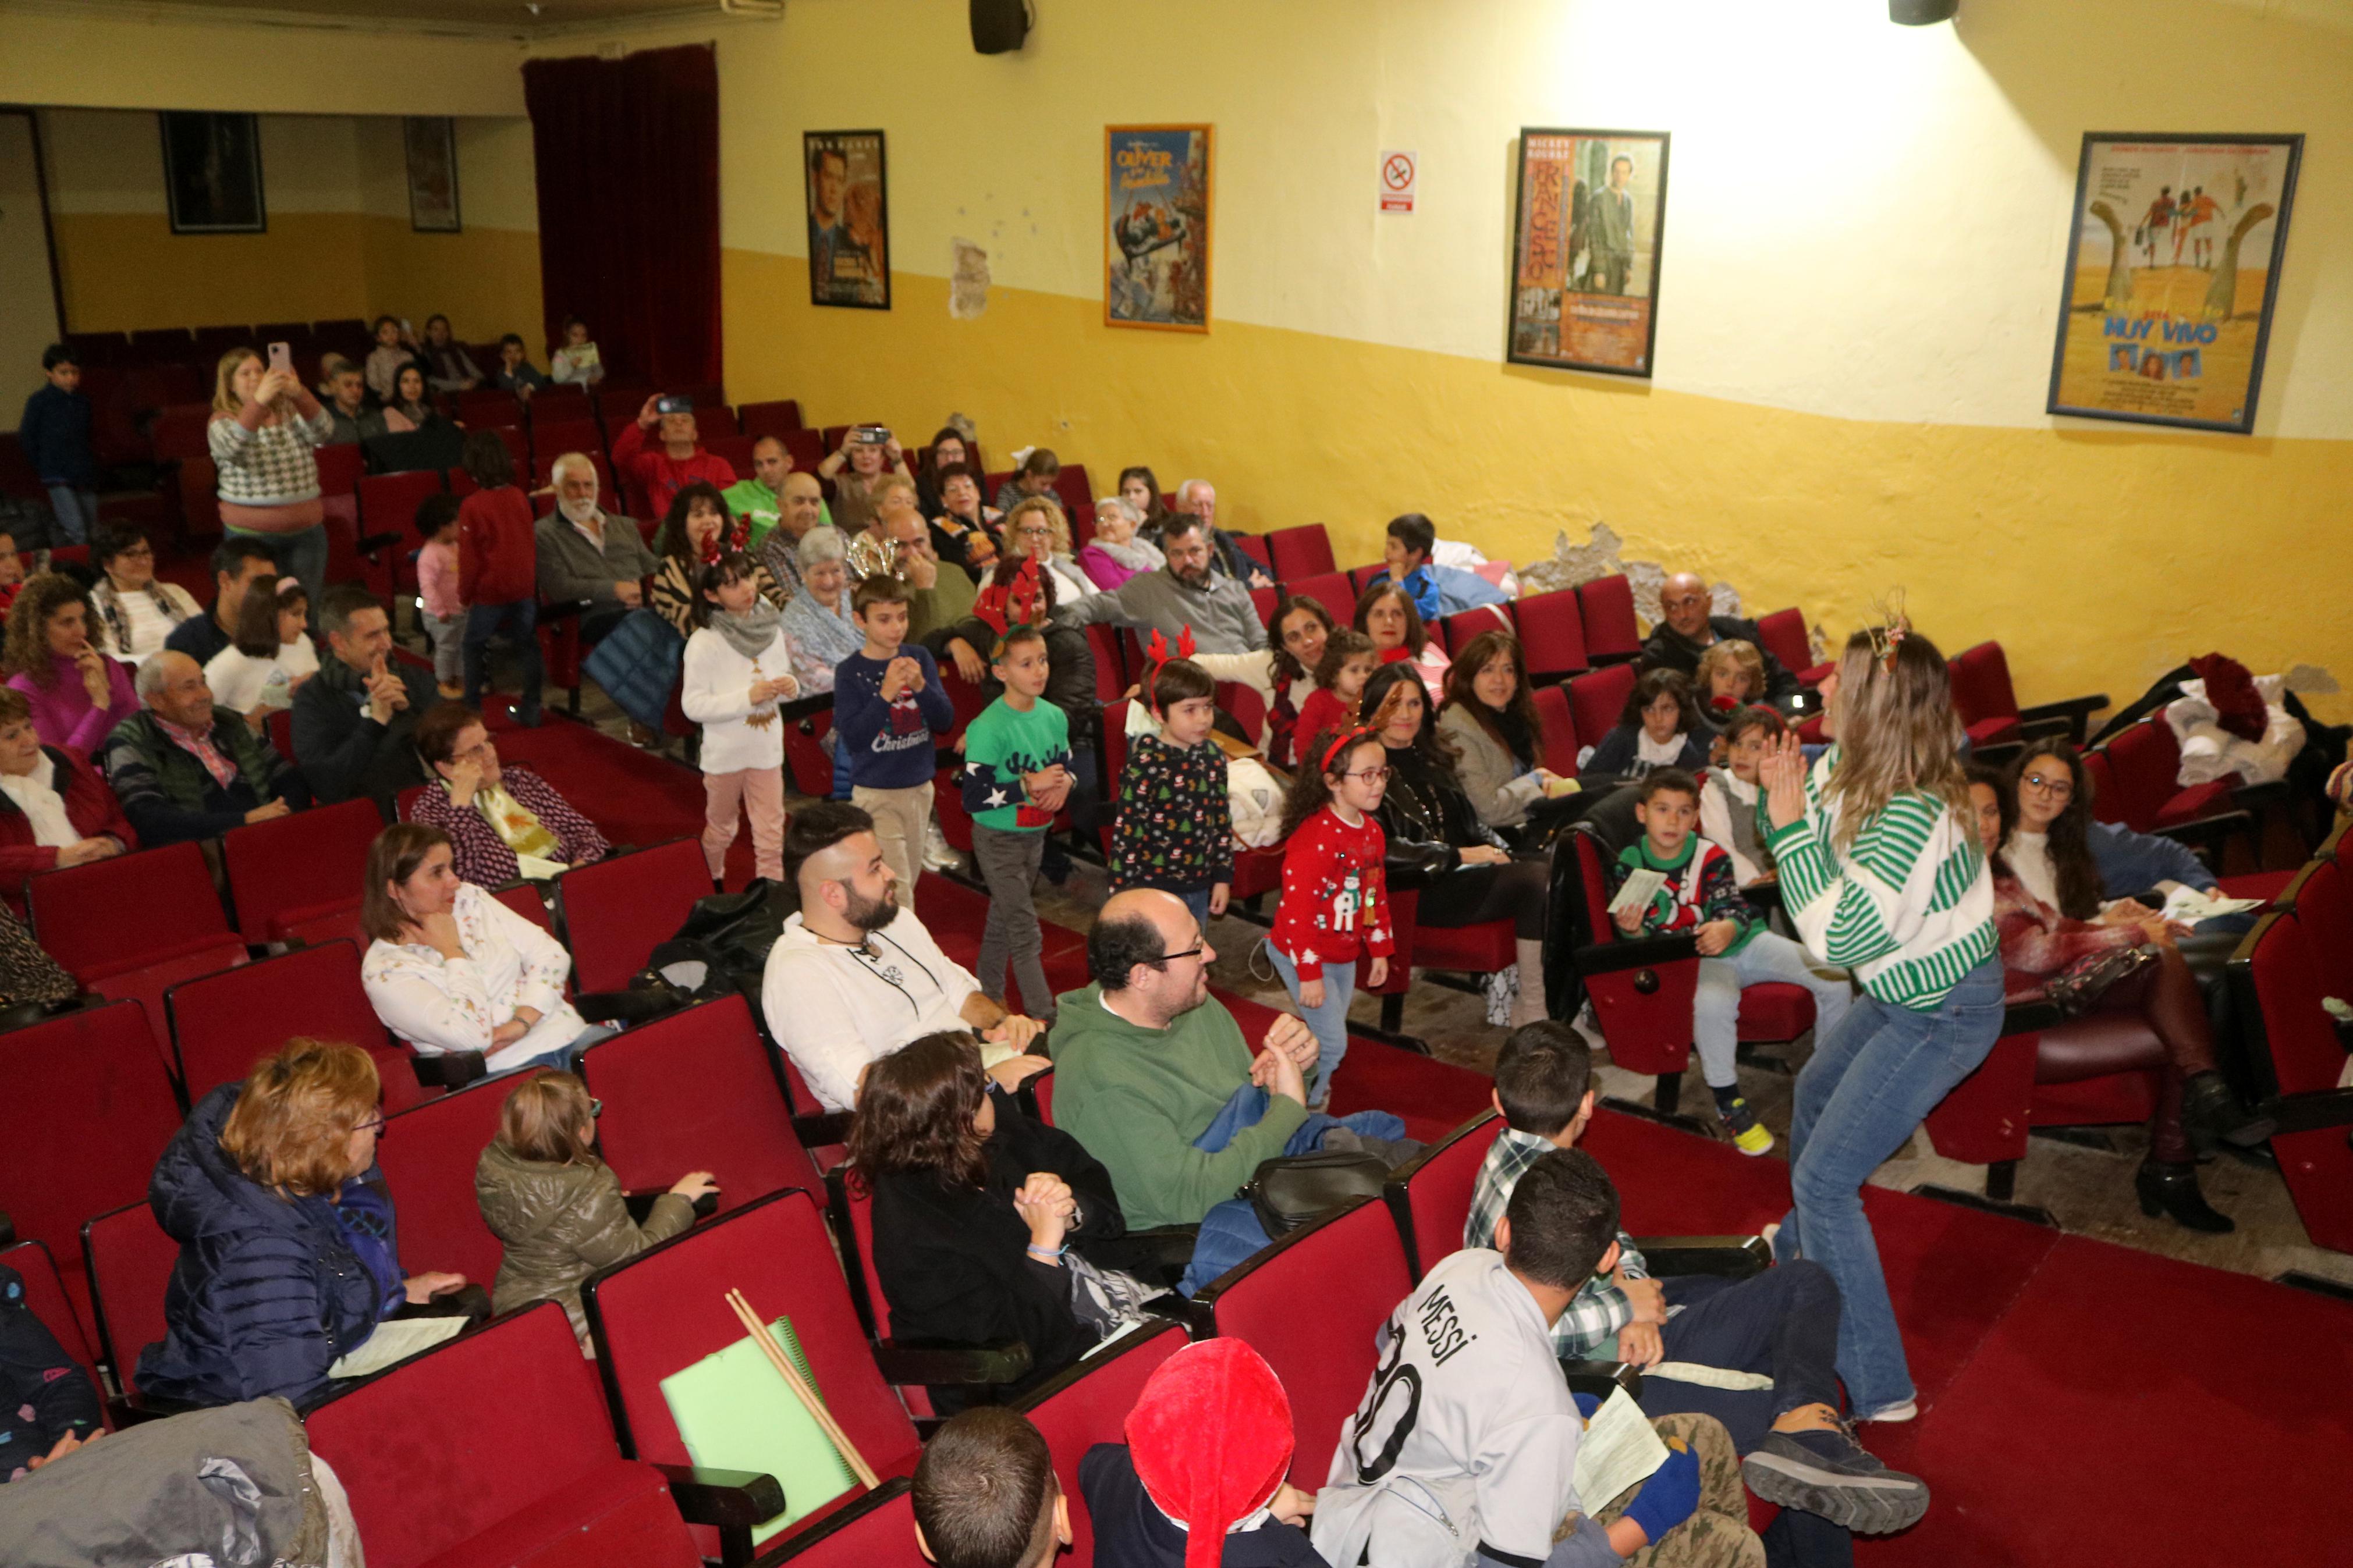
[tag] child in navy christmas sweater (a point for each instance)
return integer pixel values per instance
(1335, 902)
(1175, 828)
(887, 704)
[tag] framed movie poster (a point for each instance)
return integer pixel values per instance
(1156, 226)
(848, 219)
(212, 173)
(432, 144)
(2173, 263)
(1586, 247)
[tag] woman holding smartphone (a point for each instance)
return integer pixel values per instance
(266, 427)
(867, 453)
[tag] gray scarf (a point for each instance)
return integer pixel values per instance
(750, 633)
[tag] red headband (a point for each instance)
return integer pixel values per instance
(1347, 743)
(1155, 656)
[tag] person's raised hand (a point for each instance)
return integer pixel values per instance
(1290, 1035)
(649, 416)
(61, 1447)
(91, 665)
(894, 454)
(422, 1288)
(439, 930)
(693, 1185)
(268, 812)
(1640, 1344)
(464, 777)
(922, 567)
(1781, 772)
(913, 673)
(1714, 936)
(1275, 1072)
(967, 661)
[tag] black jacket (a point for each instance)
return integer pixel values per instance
(1667, 648)
(953, 1260)
(1132, 1533)
(43, 1394)
(1428, 819)
(342, 749)
(1616, 756)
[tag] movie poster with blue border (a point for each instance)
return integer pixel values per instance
(2173, 264)
(1156, 206)
(1586, 250)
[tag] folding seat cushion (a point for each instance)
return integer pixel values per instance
(130, 1259)
(1611, 632)
(2279, 981)
(2144, 760)
(222, 1022)
(878, 1531)
(1596, 700)
(1089, 1404)
(87, 1108)
(697, 1091)
(495, 1449)
(1775, 1010)
(1302, 552)
(1645, 1011)
(293, 867)
(428, 1153)
(1429, 1197)
(617, 911)
(1352, 1265)
(666, 1309)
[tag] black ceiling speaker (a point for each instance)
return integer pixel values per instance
(999, 26)
(1903, 13)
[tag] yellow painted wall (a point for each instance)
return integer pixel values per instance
(338, 243)
(1865, 236)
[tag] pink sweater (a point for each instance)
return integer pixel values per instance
(437, 579)
(63, 714)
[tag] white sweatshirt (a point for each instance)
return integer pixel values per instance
(717, 695)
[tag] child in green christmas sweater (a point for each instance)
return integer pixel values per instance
(1016, 774)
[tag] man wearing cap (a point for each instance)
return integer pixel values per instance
(679, 461)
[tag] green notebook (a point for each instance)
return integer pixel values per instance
(735, 1413)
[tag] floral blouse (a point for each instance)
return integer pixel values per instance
(445, 1004)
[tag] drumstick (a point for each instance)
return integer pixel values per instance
(742, 1307)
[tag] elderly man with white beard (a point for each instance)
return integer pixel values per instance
(588, 556)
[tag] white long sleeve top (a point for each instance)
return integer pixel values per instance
(835, 1009)
(443, 1005)
(717, 695)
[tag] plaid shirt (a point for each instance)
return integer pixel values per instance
(1589, 1330)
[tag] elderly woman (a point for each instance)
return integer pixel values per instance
(1387, 614)
(698, 530)
(1115, 553)
(135, 611)
(503, 822)
(77, 695)
(1491, 718)
(976, 1207)
(55, 809)
(266, 427)
(288, 1254)
(448, 968)
(963, 530)
(817, 624)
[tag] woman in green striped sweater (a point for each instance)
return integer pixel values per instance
(1883, 874)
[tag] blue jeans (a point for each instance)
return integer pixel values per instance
(1860, 1097)
(566, 1059)
(1766, 956)
(1328, 1024)
(1230, 1232)
(77, 513)
(301, 556)
(519, 621)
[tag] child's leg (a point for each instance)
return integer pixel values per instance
(1006, 864)
(721, 791)
(899, 816)
(448, 647)
(522, 619)
(1028, 938)
(1328, 1023)
(1716, 1014)
(481, 621)
(763, 802)
(1771, 956)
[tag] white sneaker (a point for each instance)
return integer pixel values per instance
(1904, 1411)
(938, 853)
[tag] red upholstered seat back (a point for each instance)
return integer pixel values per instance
(130, 1259)
(878, 1531)
(429, 1154)
(1328, 588)
(1596, 700)
(1089, 1404)
(222, 1024)
(111, 916)
(442, 1449)
(2324, 907)
(1982, 687)
(2305, 1055)
(666, 1309)
(617, 911)
(1559, 750)
(2101, 779)
(695, 1091)
(1610, 630)
(1430, 1198)
(1454, 632)
(1786, 638)
(1302, 552)
(1111, 664)
(1552, 633)
(770, 418)
(85, 1109)
(1648, 1032)
(1351, 1266)
(2145, 763)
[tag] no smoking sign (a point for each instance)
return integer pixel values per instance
(1399, 172)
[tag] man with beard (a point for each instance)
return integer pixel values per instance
(1189, 592)
(586, 555)
(854, 977)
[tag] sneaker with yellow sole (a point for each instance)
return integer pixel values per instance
(1748, 1134)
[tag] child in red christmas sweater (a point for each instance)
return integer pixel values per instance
(1336, 902)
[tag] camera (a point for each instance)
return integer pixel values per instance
(673, 403)
(870, 435)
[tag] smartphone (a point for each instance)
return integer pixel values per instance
(673, 403)
(282, 357)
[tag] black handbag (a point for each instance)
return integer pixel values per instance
(1293, 1189)
(721, 948)
(2078, 988)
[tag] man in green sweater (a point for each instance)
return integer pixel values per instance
(1148, 1071)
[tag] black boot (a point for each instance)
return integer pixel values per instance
(2174, 1190)
(2211, 1114)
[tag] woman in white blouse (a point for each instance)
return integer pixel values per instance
(135, 610)
(450, 968)
(271, 656)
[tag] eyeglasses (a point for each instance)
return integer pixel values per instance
(1188, 952)
(596, 1108)
(375, 1126)
(2057, 789)
(1371, 776)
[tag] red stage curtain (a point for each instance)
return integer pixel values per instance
(627, 157)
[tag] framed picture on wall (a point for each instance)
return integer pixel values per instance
(432, 144)
(848, 219)
(1156, 204)
(212, 173)
(1586, 247)
(2173, 261)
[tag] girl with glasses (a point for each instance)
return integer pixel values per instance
(1336, 902)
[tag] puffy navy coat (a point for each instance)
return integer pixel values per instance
(266, 1292)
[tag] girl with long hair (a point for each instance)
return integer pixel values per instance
(1660, 728)
(1335, 904)
(1884, 874)
(1141, 490)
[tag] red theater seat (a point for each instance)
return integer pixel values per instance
(225, 1022)
(1088, 1405)
(130, 1259)
(1612, 635)
(1429, 1196)
(298, 866)
(428, 1153)
(617, 911)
